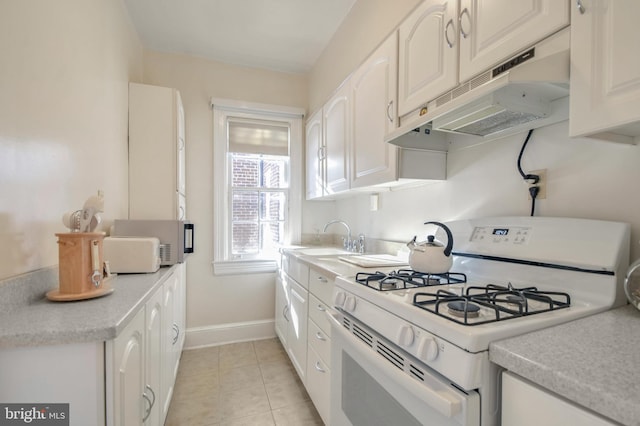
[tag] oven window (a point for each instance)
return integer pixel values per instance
(366, 403)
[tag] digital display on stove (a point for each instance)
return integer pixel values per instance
(500, 231)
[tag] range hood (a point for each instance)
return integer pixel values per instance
(528, 91)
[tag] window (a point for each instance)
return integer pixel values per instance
(257, 191)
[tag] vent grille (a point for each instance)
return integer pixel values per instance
(463, 88)
(361, 334)
(443, 99)
(480, 80)
(165, 252)
(416, 372)
(392, 356)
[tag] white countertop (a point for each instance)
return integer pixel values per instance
(593, 362)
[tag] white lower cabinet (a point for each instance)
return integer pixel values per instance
(141, 363)
(303, 327)
(292, 310)
(522, 402)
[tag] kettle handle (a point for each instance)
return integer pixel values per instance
(449, 247)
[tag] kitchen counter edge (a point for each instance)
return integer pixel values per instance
(591, 362)
(36, 321)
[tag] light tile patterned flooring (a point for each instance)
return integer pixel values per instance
(250, 383)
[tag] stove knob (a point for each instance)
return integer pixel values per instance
(406, 336)
(338, 299)
(428, 349)
(350, 304)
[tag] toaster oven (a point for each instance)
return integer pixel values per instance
(176, 236)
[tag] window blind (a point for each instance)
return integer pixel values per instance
(258, 137)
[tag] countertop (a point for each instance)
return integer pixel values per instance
(28, 318)
(594, 362)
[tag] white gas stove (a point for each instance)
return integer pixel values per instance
(510, 275)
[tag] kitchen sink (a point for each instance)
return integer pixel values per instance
(324, 251)
(374, 260)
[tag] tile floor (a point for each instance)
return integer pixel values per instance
(250, 383)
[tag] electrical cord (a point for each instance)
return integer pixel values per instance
(534, 190)
(526, 177)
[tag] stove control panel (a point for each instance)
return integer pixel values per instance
(516, 235)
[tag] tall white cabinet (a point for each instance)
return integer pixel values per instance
(605, 71)
(156, 153)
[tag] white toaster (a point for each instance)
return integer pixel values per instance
(132, 254)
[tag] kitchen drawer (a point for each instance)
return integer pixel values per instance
(296, 270)
(321, 286)
(319, 384)
(318, 313)
(320, 342)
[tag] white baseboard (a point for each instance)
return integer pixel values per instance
(216, 335)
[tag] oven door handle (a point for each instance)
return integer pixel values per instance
(446, 403)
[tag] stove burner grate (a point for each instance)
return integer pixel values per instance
(407, 278)
(490, 303)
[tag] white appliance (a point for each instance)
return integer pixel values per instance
(413, 349)
(132, 254)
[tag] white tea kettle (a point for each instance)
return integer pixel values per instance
(632, 284)
(431, 256)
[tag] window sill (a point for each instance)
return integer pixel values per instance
(241, 267)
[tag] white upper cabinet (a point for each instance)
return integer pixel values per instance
(315, 157)
(374, 102)
(444, 43)
(605, 70)
(492, 31)
(428, 51)
(336, 121)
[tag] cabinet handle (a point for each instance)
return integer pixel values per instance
(321, 308)
(465, 11)
(389, 111)
(322, 153)
(284, 312)
(580, 7)
(151, 402)
(319, 336)
(319, 367)
(446, 33)
(176, 328)
(322, 279)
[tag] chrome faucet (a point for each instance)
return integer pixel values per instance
(347, 243)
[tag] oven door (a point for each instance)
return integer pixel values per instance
(373, 382)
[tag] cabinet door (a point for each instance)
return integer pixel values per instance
(282, 307)
(428, 54)
(154, 354)
(180, 147)
(155, 174)
(492, 31)
(336, 135)
(315, 157)
(605, 70)
(128, 381)
(374, 112)
(169, 336)
(297, 334)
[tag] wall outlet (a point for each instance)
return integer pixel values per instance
(542, 183)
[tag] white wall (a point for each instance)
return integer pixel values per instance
(586, 179)
(367, 24)
(219, 307)
(64, 73)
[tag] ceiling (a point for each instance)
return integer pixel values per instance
(281, 35)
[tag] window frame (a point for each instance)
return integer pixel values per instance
(223, 109)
